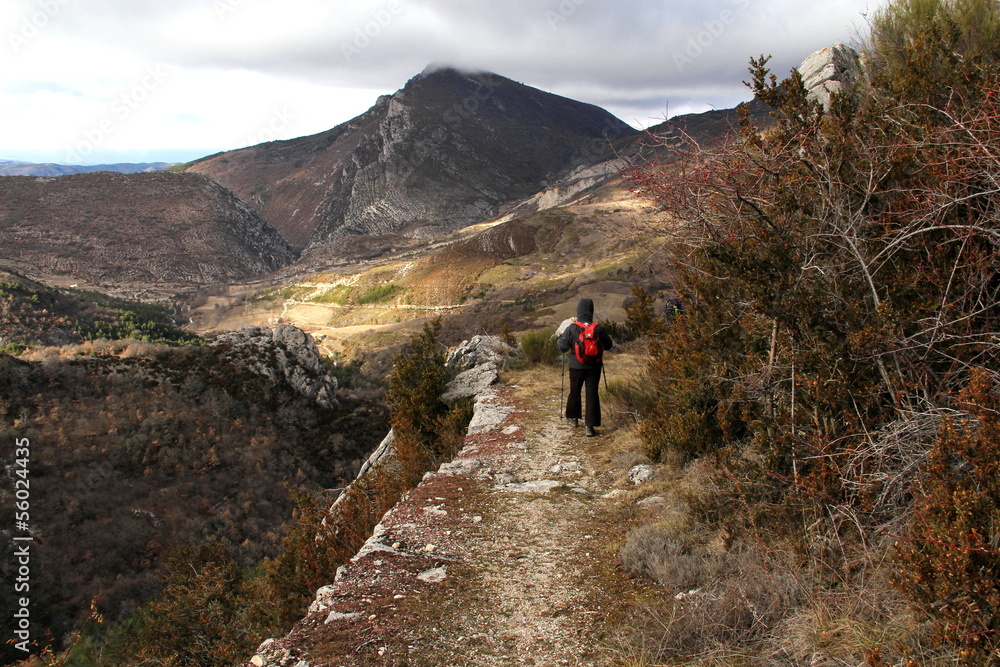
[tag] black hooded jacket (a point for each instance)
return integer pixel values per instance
(585, 315)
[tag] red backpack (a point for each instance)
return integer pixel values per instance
(588, 346)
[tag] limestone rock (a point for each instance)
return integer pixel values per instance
(285, 353)
(434, 575)
(641, 474)
(481, 350)
(373, 544)
(487, 414)
(535, 486)
(460, 466)
(831, 70)
(341, 616)
(472, 382)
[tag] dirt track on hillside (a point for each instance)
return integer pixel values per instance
(507, 556)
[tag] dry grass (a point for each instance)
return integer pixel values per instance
(630, 394)
(755, 601)
(734, 601)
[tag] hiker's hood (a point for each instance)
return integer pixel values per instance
(585, 310)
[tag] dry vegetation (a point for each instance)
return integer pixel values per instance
(515, 275)
(832, 367)
(139, 448)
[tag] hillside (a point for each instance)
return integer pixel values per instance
(32, 314)
(447, 150)
(523, 273)
(137, 449)
(155, 230)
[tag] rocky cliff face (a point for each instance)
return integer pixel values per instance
(154, 227)
(285, 352)
(447, 150)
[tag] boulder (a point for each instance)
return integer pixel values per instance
(831, 70)
(641, 473)
(472, 382)
(285, 353)
(487, 414)
(480, 350)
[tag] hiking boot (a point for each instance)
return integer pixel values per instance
(574, 422)
(591, 432)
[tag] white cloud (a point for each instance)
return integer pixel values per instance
(224, 70)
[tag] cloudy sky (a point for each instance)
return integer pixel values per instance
(92, 81)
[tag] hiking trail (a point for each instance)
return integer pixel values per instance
(508, 555)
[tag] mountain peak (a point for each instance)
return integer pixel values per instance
(445, 70)
(451, 148)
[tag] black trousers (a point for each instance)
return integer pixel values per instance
(589, 379)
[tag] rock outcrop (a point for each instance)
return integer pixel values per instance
(480, 350)
(481, 355)
(285, 353)
(830, 71)
(479, 361)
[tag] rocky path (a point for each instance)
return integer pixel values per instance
(506, 556)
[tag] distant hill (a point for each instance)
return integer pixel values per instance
(33, 314)
(18, 168)
(158, 227)
(448, 150)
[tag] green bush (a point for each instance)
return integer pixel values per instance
(140, 322)
(539, 347)
(838, 274)
(427, 429)
(338, 294)
(209, 612)
(380, 293)
(935, 51)
(641, 318)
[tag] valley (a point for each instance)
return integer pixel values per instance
(525, 272)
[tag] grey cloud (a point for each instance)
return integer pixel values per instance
(677, 49)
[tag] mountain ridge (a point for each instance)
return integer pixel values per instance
(155, 228)
(447, 150)
(21, 168)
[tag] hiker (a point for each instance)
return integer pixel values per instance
(584, 371)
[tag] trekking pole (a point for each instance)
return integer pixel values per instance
(607, 392)
(562, 383)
